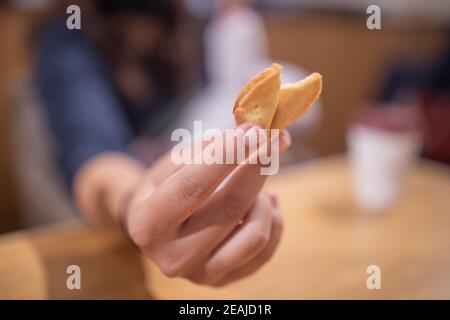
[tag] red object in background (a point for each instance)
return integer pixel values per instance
(437, 126)
(393, 117)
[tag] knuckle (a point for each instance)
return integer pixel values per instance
(217, 268)
(197, 278)
(234, 209)
(143, 238)
(172, 264)
(190, 188)
(170, 271)
(257, 240)
(278, 223)
(145, 233)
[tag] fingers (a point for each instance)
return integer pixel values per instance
(225, 209)
(178, 196)
(229, 205)
(259, 260)
(245, 242)
(165, 166)
(116, 175)
(162, 169)
(178, 228)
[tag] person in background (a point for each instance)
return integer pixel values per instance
(236, 47)
(428, 86)
(102, 87)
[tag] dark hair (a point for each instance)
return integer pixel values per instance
(162, 10)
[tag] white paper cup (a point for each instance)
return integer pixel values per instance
(380, 162)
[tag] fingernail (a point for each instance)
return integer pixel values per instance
(285, 140)
(245, 126)
(274, 134)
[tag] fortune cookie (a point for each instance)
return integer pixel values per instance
(265, 102)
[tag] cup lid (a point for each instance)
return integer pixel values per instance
(389, 117)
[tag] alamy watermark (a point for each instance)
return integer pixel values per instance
(73, 281)
(373, 22)
(73, 21)
(232, 146)
(374, 280)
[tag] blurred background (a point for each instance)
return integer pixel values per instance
(396, 79)
(384, 105)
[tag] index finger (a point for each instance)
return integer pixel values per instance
(165, 166)
(184, 191)
(219, 217)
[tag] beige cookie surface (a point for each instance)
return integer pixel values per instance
(258, 100)
(264, 102)
(295, 99)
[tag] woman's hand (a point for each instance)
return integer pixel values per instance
(181, 220)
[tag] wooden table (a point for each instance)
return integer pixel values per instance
(327, 246)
